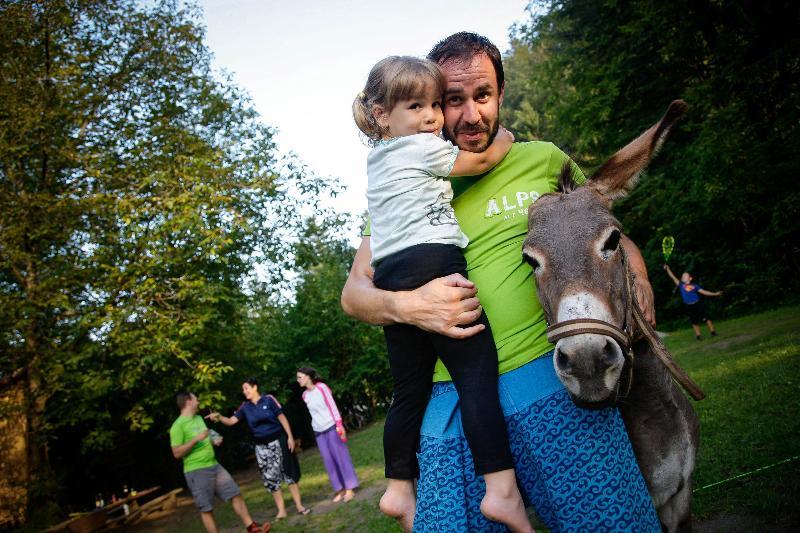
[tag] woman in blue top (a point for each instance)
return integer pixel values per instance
(274, 443)
(690, 293)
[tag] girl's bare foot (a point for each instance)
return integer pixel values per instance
(503, 502)
(349, 495)
(399, 502)
(338, 497)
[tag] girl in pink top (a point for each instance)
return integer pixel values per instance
(329, 432)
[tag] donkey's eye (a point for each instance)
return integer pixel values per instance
(531, 261)
(612, 242)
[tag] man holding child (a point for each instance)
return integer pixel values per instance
(575, 466)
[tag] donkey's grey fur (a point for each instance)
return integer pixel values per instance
(573, 245)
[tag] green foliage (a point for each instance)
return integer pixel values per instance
(313, 331)
(139, 190)
(591, 75)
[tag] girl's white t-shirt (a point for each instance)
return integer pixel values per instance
(409, 196)
(321, 418)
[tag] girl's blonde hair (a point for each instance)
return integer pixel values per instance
(392, 80)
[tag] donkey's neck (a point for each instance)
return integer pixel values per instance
(652, 389)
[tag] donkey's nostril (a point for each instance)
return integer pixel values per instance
(562, 360)
(610, 353)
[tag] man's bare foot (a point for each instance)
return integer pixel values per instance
(338, 497)
(399, 502)
(503, 502)
(349, 495)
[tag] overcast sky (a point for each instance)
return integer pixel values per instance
(303, 62)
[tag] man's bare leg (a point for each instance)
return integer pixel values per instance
(240, 508)
(696, 329)
(503, 502)
(208, 522)
(400, 502)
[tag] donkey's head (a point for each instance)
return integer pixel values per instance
(573, 245)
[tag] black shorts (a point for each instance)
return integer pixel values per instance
(696, 312)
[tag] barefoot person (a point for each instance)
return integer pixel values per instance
(204, 476)
(692, 302)
(329, 432)
(274, 444)
(575, 466)
(416, 238)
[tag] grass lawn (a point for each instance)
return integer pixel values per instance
(749, 420)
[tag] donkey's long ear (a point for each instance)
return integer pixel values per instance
(618, 176)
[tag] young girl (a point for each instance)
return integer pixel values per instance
(414, 239)
(329, 433)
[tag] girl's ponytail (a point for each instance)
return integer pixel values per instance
(362, 114)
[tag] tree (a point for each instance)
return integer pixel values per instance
(313, 331)
(138, 189)
(596, 73)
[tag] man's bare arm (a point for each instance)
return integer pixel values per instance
(642, 288)
(440, 306)
(179, 451)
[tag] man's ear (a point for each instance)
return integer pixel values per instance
(381, 116)
(502, 93)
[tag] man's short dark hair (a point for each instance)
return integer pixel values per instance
(463, 46)
(182, 397)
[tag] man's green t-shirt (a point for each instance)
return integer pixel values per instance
(492, 210)
(182, 431)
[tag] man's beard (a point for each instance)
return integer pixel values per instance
(481, 127)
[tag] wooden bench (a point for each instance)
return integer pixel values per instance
(165, 502)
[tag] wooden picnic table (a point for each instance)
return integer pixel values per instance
(164, 502)
(100, 518)
(131, 499)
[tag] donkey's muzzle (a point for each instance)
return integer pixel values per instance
(589, 365)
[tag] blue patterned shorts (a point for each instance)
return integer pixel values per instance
(575, 466)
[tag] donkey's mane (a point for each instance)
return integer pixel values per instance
(566, 179)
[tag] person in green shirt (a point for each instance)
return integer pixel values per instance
(575, 466)
(190, 441)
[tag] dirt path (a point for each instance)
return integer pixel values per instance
(168, 521)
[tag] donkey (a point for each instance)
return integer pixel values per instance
(573, 245)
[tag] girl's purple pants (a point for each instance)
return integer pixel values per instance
(337, 460)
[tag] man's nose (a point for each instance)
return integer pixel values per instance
(470, 113)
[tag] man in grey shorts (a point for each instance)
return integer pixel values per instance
(190, 442)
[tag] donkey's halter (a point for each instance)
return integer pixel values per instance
(624, 337)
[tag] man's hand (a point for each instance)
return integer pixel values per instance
(290, 444)
(641, 283)
(200, 436)
(443, 305)
(644, 296)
